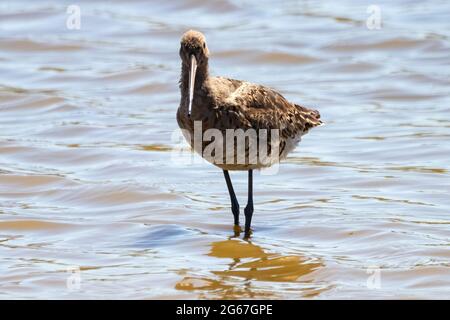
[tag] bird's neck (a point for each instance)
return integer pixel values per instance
(200, 78)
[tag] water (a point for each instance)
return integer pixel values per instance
(91, 205)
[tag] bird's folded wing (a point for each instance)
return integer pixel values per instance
(259, 107)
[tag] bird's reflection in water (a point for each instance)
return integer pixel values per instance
(249, 269)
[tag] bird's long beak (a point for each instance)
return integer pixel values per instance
(192, 82)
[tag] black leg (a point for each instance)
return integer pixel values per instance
(234, 202)
(249, 208)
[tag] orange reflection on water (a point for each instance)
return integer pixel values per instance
(249, 268)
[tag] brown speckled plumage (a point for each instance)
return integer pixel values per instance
(221, 104)
(224, 103)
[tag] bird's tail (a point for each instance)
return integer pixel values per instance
(311, 116)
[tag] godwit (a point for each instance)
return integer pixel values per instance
(221, 103)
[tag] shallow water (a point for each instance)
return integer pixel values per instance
(92, 204)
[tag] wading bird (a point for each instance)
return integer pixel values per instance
(223, 104)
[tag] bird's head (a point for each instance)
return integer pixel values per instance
(193, 43)
(194, 53)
